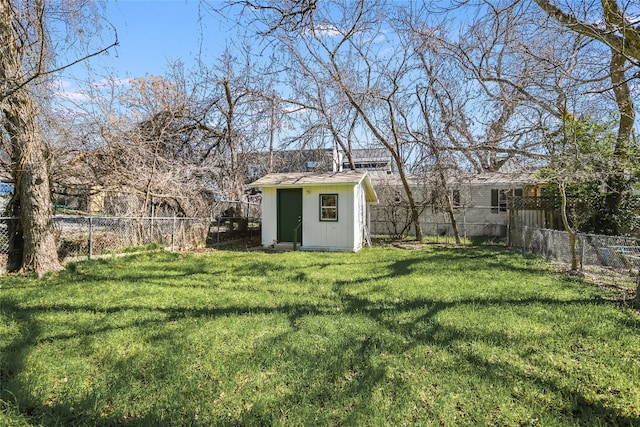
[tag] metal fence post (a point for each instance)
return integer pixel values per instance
(151, 223)
(581, 252)
(90, 237)
(173, 233)
(218, 232)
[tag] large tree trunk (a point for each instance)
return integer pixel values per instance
(573, 240)
(617, 183)
(415, 212)
(32, 238)
(32, 195)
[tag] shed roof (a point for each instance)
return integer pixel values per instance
(287, 180)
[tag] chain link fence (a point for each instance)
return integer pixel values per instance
(395, 220)
(4, 241)
(441, 230)
(86, 236)
(617, 252)
(615, 256)
(618, 256)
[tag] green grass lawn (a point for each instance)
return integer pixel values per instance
(439, 336)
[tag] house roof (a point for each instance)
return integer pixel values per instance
(369, 154)
(285, 161)
(512, 178)
(498, 179)
(318, 179)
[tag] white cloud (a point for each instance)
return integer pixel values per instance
(65, 90)
(111, 82)
(380, 38)
(327, 30)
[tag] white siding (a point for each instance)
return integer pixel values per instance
(479, 205)
(327, 235)
(269, 216)
(360, 216)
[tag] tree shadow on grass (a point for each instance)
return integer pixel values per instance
(443, 263)
(353, 355)
(338, 382)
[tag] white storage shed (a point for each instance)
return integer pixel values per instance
(316, 211)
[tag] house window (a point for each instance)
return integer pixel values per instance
(455, 199)
(499, 199)
(439, 203)
(328, 207)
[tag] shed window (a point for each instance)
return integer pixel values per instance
(328, 207)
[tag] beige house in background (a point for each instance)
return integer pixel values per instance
(480, 202)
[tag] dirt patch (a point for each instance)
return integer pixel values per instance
(413, 246)
(622, 284)
(241, 244)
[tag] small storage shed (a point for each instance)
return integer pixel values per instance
(321, 211)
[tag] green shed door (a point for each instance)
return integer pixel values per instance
(289, 214)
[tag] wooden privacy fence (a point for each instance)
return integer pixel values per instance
(539, 212)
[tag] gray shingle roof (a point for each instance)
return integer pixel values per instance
(317, 179)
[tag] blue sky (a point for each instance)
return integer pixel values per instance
(151, 34)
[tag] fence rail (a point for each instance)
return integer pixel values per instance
(442, 229)
(85, 236)
(615, 252)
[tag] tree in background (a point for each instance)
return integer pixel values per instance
(337, 56)
(610, 24)
(321, 111)
(581, 155)
(181, 139)
(580, 158)
(155, 149)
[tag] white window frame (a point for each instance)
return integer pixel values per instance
(329, 207)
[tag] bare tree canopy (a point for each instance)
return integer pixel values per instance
(615, 24)
(440, 92)
(290, 15)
